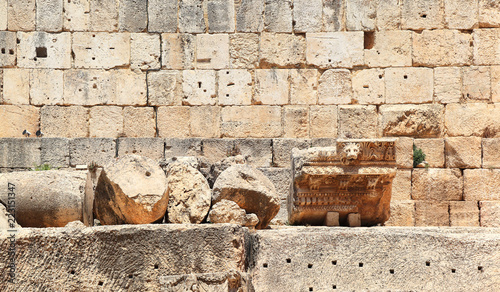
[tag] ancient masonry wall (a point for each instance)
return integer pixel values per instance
(103, 78)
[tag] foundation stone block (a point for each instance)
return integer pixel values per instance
(296, 121)
(436, 184)
(463, 152)
(250, 16)
(489, 15)
(55, 152)
(145, 51)
(46, 87)
(491, 153)
(172, 121)
(212, 51)
(21, 15)
(307, 15)
(333, 15)
(282, 50)
(271, 86)
(101, 50)
(16, 86)
(402, 214)
(431, 213)
(335, 87)
(434, 151)
(243, 50)
(401, 186)
(473, 119)
(83, 151)
(476, 84)
(49, 15)
(133, 16)
(19, 152)
(164, 88)
(251, 121)
(191, 16)
(369, 86)
(482, 185)
(139, 122)
(3, 14)
(235, 87)
(44, 50)
(464, 214)
(388, 48)
(8, 49)
(447, 84)
(442, 48)
(461, 15)
(149, 147)
(420, 14)
(357, 121)
(490, 214)
(303, 86)
(486, 46)
(323, 121)
(76, 15)
(198, 87)
(421, 121)
(69, 122)
(220, 15)
(205, 121)
(278, 15)
(361, 15)
(104, 15)
(183, 147)
(105, 121)
(14, 119)
(258, 152)
(89, 87)
(408, 85)
(178, 51)
(404, 152)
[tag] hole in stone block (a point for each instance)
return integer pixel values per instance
(405, 77)
(94, 86)
(334, 286)
(366, 86)
(148, 173)
(18, 41)
(130, 276)
(227, 95)
(264, 265)
(93, 58)
(479, 268)
(11, 52)
(391, 271)
(453, 270)
(369, 40)
(329, 60)
(199, 84)
(100, 283)
(427, 263)
(204, 90)
(3, 50)
(293, 23)
(156, 266)
(360, 265)
(41, 52)
(288, 260)
(310, 266)
(423, 15)
(72, 272)
(310, 288)
(227, 72)
(334, 263)
(380, 77)
(93, 35)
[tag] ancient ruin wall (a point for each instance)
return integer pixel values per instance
(109, 77)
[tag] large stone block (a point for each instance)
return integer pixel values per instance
(235, 87)
(220, 16)
(335, 49)
(8, 49)
(335, 87)
(463, 152)
(250, 16)
(490, 213)
(461, 15)
(21, 15)
(244, 50)
(486, 46)
(402, 214)
(323, 121)
(271, 86)
(442, 48)
(16, 86)
(160, 15)
(46, 87)
(436, 184)
(14, 119)
(433, 150)
(303, 86)
(49, 15)
(307, 15)
(476, 84)
(204, 121)
(333, 16)
(105, 121)
(296, 121)
(44, 50)
(76, 15)
(422, 14)
(369, 86)
(69, 122)
(19, 152)
(282, 180)
(447, 84)
(388, 49)
(401, 185)
(404, 152)
(495, 83)
(282, 50)
(89, 87)
(177, 51)
(473, 119)
(55, 152)
(101, 50)
(145, 51)
(357, 121)
(251, 121)
(173, 121)
(191, 16)
(491, 152)
(133, 15)
(3, 14)
(258, 152)
(282, 150)
(482, 185)
(164, 88)
(153, 148)
(215, 150)
(183, 147)
(83, 151)
(464, 214)
(408, 85)
(423, 121)
(432, 213)
(278, 16)
(131, 88)
(361, 15)
(388, 15)
(212, 51)
(489, 14)
(104, 15)
(139, 122)
(198, 87)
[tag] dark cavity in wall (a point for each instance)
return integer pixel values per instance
(369, 40)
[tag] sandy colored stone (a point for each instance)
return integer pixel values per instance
(408, 85)
(178, 51)
(447, 84)
(271, 86)
(190, 14)
(361, 15)
(172, 121)
(76, 15)
(369, 86)
(105, 121)
(282, 50)
(85, 151)
(16, 86)
(229, 212)
(50, 198)
(486, 46)
(436, 184)
(55, 152)
(251, 121)
(296, 121)
(476, 84)
(104, 15)
(491, 153)
(431, 213)
(250, 189)
(257, 152)
(482, 185)
(278, 16)
(357, 121)
(495, 83)
(333, 16)
(101, 50)
(401, 186)
(404, 152)
(461, 15)
(442, 48)
(131, 88)
(422, 14)
(21, 15)
(473, 119)
(389, 49)
(464, 214)
(220, 16)
(335, 49)
(148, 147)
(423, 121)
(3, 14)
(75, 121)
(199, 87)
(145, 51)
(235, 87)
(489, 14)
(243, 50)
(204, 121)
(388, 15)
(433, 150)
(335, 87)
(46, 87)
(303, 86)
(14, 119)
(89, 87)
(307, 15)
(490, 213)
(463, 152)
(212, 51)
(160, 15)
(49, 15)
(250, 16)
(8, 46)
(402, 214)
(164, 87)
(52, 50)
(139, 122)
(323, 121)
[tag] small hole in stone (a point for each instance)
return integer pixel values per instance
(156, 266)
(93, 35)
(148, 173)
(93, 58)
(130, 276)
(391, 271)
(264, 265)
(423, 15)
(72, 272)
(480, 268)
(94, 86)
(227, 72)
(310, 288)
(366, 86)
(405, 77)
(204, 90)
(41, 52)
(334, 286)
(199, 84)
(329, 60)
(334, 263)
(35, 58)
(293, 23)
(453, 270)
(380, 77)
(427, 263)
(288, 260)
(227, 95)
(3, 50)
(11, 52)
(360, 265)
(18, 41)
(310, 266)
(101, 283)
(369, 40)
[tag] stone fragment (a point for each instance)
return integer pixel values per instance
(361, 15)
(44, 50)
(402, 214)
(423, 121)
(139, 122)
(243, 50)
(401, 186)
(282, 50)
(489, 14)
(204, 121)
(178, 51)
(101, 50)
(491, 152)
(46, 87)
(133, 15)
(282, 150)
(388, 49)
(433, 150)
(75, 121)
(429, 213)
(333, 15)
(323, 121)
(473, 119)
(307, 15)
(271, 86)
(229, 212)
(335, 87)
(335, 49)
(250, 189)
(212, 51)
(332, 219)
(89, 195)
(145, 51)
(131, 190)
(50, 198)
(8, 49)
(490, 213)
(19, 152)
(235, 87)
(408, 85)
(476, 84)
(220, 16)
(303, 86)
(461, 15)
(250, 16)
(164, 88)
(486, 46)
(251, 121)
(464, 214)
(296, 121)
(104, 15)
(442, 48)
(7, 221)
(76, 15)
(278, 16)
(160, 15)
(198, 87)
(21, 15)
(437, 184)
(482, 185)
(16, 86)
(463, 152)
(369, 86)
(149, 147)
(353, 220)
(420, 15)
(49, 15)
(357, 121)
(447, 84)
(3, 14)
(171, 121)
(191, 16)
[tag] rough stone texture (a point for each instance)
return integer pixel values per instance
(83, 151)
(303, 86)
(307, 15)
(491, 153)
(464, 214)
(171, 121)
(257, 152)
(244, 50)
(409, 85)
(357, 121)
(404, 152)
(75, 121)
(411, 120)
(489, 15)
(212, 51)
(220, 16)
(178, 51)
(46, 87)
(160, 15)
(229, 212)
(164, 88)
(282, 180)
(21, 15)
(495, 83)
(7, 221)
(271, 86)
(254, 121)
(76, 15)
(104, 15)
(296, 121)
(205, 121)
(473, 119)
(19, 152)
(235, 87)
(100, 50)
(105, 121)
(442, 48)
(433, 150)
(216, 150)
(282, 150)
(9, 48)
(482, 185)
(333, 15)
(388, 49)
(419, 15)
(323, 121)
(16, 86)
(486, 51)
(191, 16)
(476, 85)
(250, 16)
(250, 189)
(199, 87)
(89, 87)
(278, 16)
(139, 122)
(361, 15)
(133, 15)
(50, 198)
(428, 213)
(131, 190)
(49, 15)
(463, 152)
(447, 84)
(335, 87)
(57, 49)
(119, 250)
(436, 184)
(490, 214)
(145, 51)
(3, 14)
(369, 86)
(335, 49)
(461, 15)
(402, 214)
(401, 185)
(131, 88)
(182, 147)
(149, 147)
(282, 50)
(55, 152)
(14, 119)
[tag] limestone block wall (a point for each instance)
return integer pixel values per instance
(287, 71)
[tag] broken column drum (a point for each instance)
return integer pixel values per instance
(353, 180)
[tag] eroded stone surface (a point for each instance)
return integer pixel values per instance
(229, 212)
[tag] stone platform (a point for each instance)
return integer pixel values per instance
(226, 257)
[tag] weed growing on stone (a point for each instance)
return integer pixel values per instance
(418, 156)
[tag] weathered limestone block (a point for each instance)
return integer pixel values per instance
(89, 87)
(333, 15)
(191, 16)
(131, 88)
(422, 14)
(402, 214)
(335, 49)
(220, 16)
(271, 86)
(461, 15)
(423, 121)
(436, 184)
(16, 86)
(352, 178)
(164, 88)
(486, 46)
(282, 149)
(178, 51)
(235, 87)
(257, 152)
(495, 83)
(447, 84)
(104, 15)
(434, 151)
(183, 121)
(21, 15)
(243, 50)
(76, 15)
(183, 147)
(148, 147)
(323, 121)
(229, 212)
(145, 51)
(250, 16)
(369, 86)
(204, 121)
(212, 51)
(101, 50)
(88, 201)
(7, 220)
(139, 122)
(489, 14)
(251, 121)
(463, 152)
(44, 50)
(49, 15)
(388, 49)
(250, 189)
(335, 87)
(404, 152)
(482, 185)
(307, 15)
(429, 213)
(476, 84)
(171, 121)
(361, 15)
(282, 50)
(8, 49)
(282, 180)
(388, 15)
(3, 14)
(199, 87)
(19, 152)
(491, 153)
(84, 151)
(303, 86)
(464, 214)
(357, 121)
(133, 15)
(160, 14)
(296, 121)
(50, 198)
(442, 48)
(490, 213)
(408, 85)
(216, 150)
(224, 281)
(69, 122)
(473, 119)
(55, 152)
(131, 190)
(401, 186)
(46, 87)
(14, 119)
(278, 16)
